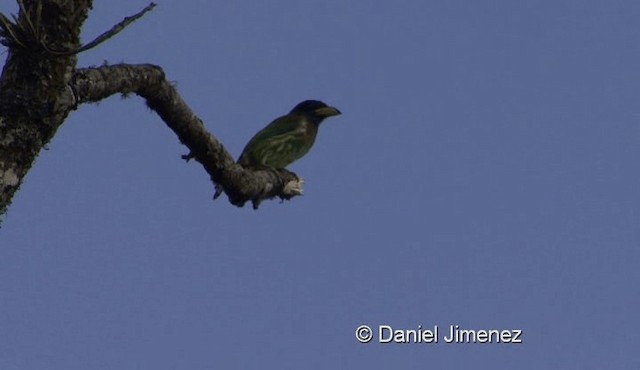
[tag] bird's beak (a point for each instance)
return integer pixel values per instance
(327, 112)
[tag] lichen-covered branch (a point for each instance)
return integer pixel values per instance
(149, 82)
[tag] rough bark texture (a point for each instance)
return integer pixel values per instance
(40, 85)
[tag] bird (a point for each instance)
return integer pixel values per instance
(287, 138)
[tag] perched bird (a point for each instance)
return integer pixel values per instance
(287, 138)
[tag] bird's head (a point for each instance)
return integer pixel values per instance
(316, 110)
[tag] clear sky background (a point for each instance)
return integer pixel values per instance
(484, 173)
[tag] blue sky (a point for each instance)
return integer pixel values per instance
(484, 173)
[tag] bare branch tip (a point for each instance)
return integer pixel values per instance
(188, 157)
(256, 203)
(219, 191)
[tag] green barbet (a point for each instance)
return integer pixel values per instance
(287, 138)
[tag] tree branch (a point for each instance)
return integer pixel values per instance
(108, 34)
(27, 34)
(149, 82)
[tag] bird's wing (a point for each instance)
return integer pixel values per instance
(279, 126)
(284, 132)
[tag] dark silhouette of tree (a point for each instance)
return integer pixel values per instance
(41, 84)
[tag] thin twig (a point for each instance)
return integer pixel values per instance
(106, 35)
(10, 33)
(115, 29)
